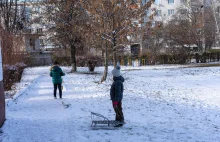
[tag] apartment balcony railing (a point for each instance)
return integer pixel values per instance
(27, 31)
(31, 31)
(196, 2)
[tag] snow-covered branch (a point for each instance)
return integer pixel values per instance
(107, 40)
(108, 36)
(119, 31)
(118, 46)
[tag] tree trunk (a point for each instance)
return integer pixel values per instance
(105, 71)
(73, 57)
(114, 58)
(114, 43)
(106, 64)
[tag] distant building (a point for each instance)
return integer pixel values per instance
(33, 33)
(163, 12)
(215, 5)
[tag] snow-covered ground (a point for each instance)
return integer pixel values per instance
(161, 104)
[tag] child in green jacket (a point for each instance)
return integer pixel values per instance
(56, 73)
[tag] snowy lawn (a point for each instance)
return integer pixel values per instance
(161, 103)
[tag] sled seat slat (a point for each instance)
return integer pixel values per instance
(104, 122)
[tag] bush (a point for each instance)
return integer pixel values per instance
(88, 60)
(12, 74)
(63, 61)
(80, 61)
(92, 60)
(204, 57)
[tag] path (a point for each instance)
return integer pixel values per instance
(36, 116)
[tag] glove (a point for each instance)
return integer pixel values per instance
(115, 104)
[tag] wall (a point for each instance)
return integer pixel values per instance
(2, 95)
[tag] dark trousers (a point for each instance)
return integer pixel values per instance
(55, 90)
(118, 112)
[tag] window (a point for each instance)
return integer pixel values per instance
(183, 11)
(184, 22)
(134, 1)
(183, 1)
(157, 2)
(170, 1)
(32, 43)
(153, 24)
(27, 12)
(171, 22)
(158, 13)
(199, 31)
(198, 20)
(170, 12)
(218, 9)
(158, 24)
(39, 30)
(41, 42)
(147, 13)
(143, 62)
(195, 9)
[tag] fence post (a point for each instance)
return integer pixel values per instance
(2, 95)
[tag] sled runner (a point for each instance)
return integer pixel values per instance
(100, 121)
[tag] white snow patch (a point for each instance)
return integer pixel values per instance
(161, 103)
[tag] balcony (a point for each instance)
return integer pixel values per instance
(27, 31)
(197, 2)
(38, 31)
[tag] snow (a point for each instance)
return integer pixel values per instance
(161, 103)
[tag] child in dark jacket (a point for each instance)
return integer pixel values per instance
(56, 73)
(116, 94)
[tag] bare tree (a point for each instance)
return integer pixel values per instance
(11, 14)
(115, 20)
(215, 8)
(11, 23)
(67, 25)
(152, 39)
(189, 27)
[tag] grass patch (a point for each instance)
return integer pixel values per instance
(131, 69)
(89, 73)
(203, 65)
(92, 73)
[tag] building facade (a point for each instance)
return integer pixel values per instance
(33, 33)
(198, 13)
(215, 5)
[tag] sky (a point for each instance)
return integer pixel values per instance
(161, 103)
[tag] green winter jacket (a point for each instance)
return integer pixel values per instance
(56, 73)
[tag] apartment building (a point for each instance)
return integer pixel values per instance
(166, 11)
(215, 5)
(163, 10)
(33, 32)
